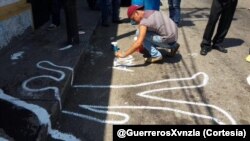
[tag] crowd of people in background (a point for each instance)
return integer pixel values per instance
(222, 12)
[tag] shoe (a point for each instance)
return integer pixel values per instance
(117, 21)
(220, 48)
(105, 24)
(52, 27)
(174, 50)
(153, 59)
(205, 50)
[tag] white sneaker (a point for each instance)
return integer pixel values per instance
(153, 59)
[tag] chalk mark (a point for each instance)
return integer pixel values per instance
(66, 47)
(42, 115)
(55, 89)
(17, 55)
(149, 95)
(248, 80)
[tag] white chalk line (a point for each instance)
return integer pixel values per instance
(66, 47)
(121, 68)
(145, 94)
(248, 80)
(42, 115)
(81, 32)
(125, 116)
(17, 55)
(55, 89)
(104, 110)
(140, 84)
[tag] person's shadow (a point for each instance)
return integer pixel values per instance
(232, 42)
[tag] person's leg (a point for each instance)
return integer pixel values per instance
(56, 8)
(150, 47)
(71, 21)
(171, 9)
(116, 10)
(105, 9)
(174, 46)
(225, 21)
(215, 12)
(177, 11)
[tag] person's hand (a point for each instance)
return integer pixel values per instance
(119, 54)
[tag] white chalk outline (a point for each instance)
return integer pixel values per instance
(55, 89)
(42, 115)
(145, 94)
(148, 94)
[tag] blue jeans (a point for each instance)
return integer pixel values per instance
(110, 6)
(153, 40)
(175, 10)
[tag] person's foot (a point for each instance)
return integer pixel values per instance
(220, 48)
(52, 27)
(205, 50)
(153, 59)
(105, 24)
(173, 51)
(117, 21)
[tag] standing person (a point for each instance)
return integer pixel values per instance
(55, 14)
(175, 11)
(223, 9)
(155, 29)
(110, 6)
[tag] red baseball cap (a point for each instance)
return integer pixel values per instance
(132, 9)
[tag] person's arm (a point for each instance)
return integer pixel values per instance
(137, 44)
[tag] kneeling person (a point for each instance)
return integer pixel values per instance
(155, 30)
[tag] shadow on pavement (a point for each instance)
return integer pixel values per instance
(95, 68)
(232, 42)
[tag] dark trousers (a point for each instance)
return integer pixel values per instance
(55, 11)
(223, 9)
(71, 21)
(110, 6)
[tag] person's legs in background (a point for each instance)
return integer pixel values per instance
(105, 9)
(224, 24)
(55, 14)
(116, 11)
(175, 11)
(215, 13)
(71, 21)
